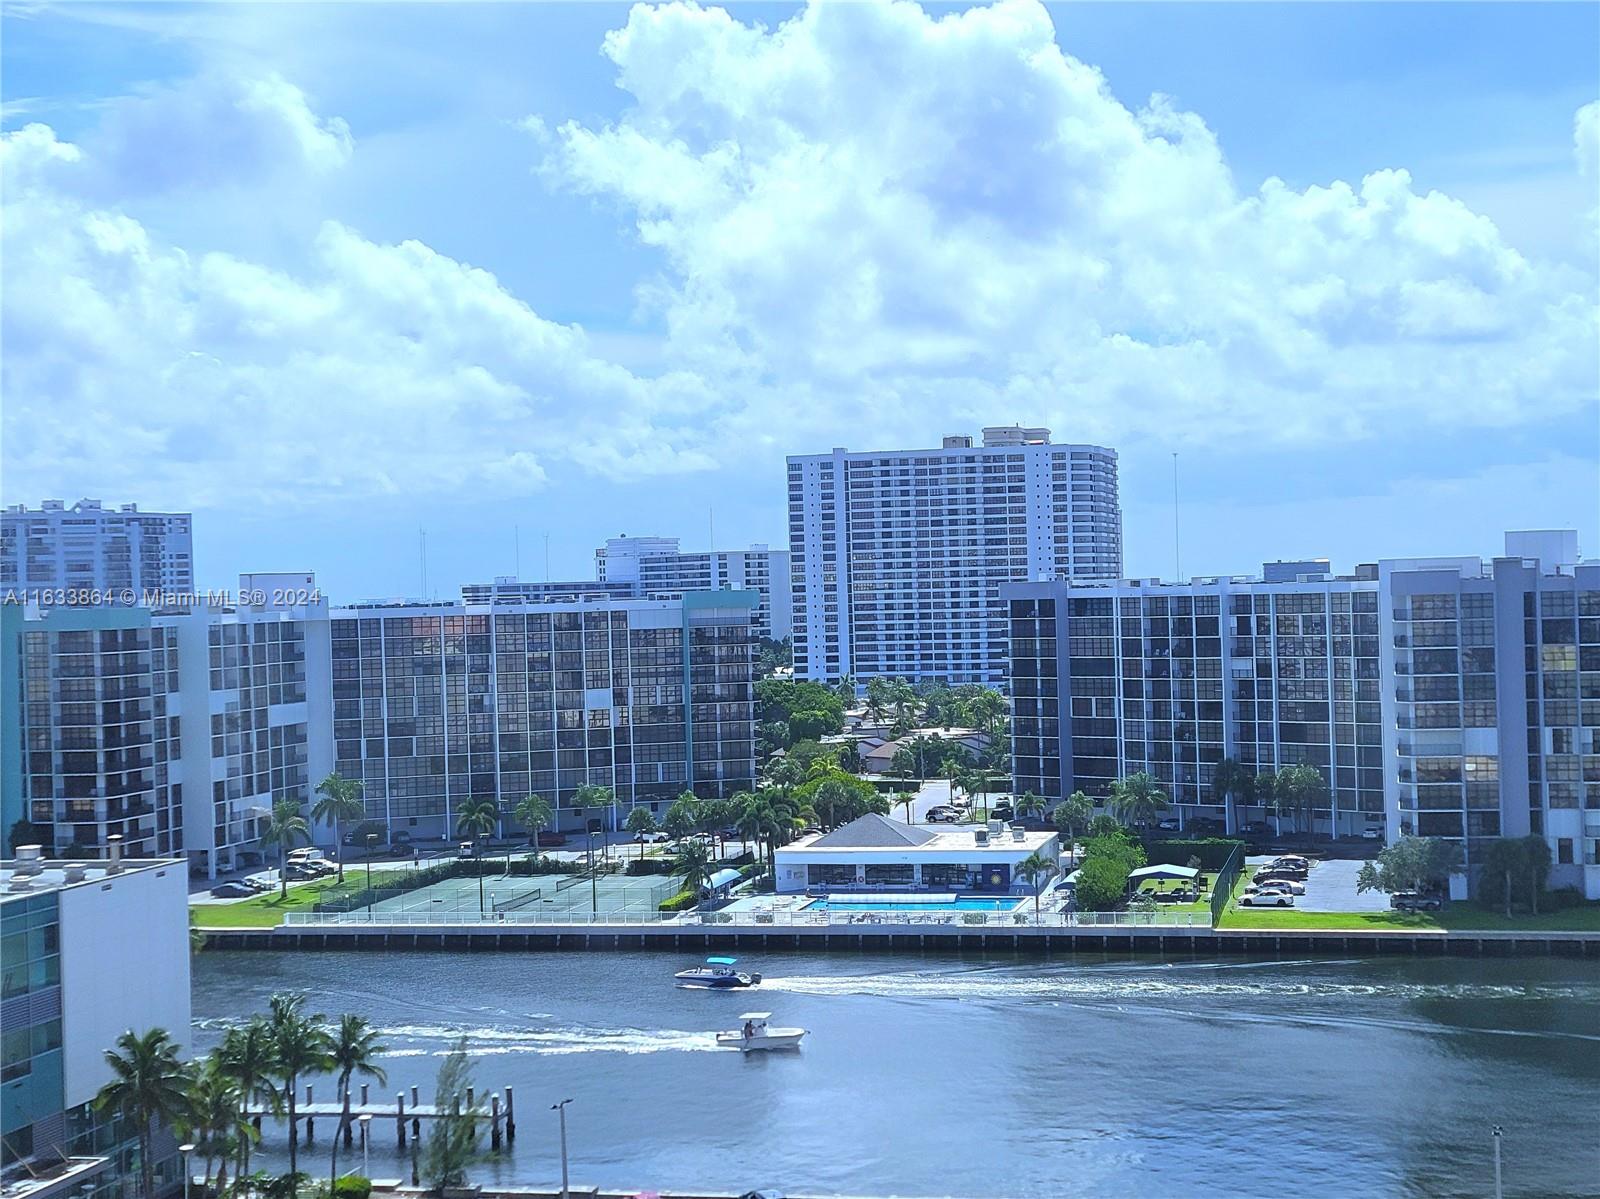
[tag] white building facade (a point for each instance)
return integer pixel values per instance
(874, 853)
(90, 548)
(898, 557)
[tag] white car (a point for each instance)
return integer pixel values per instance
(1373, 832)
(1282, 884)
(1267, 899)
(652, 838)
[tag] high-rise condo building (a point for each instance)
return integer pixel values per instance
(898, 557)
(654, 567)
(1443, 697)
(92, 949)
(91, 548)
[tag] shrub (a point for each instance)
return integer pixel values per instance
(683, 899)
(352, 1186)
(1213, 852)
(637, 866)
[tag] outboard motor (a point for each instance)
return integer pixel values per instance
(754, 978)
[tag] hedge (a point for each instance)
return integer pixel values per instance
(649, 866)
(352, 1186)
(683, 899)
(1213, 852)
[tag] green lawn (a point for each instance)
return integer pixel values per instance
(1466, 917)
(268, 909)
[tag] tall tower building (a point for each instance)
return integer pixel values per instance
(89, 548)
(898, 557)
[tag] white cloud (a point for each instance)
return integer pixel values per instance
(1586, 139)
(135, 367)
(869, 209)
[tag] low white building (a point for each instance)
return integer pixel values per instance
(875, 853)
(92, 949)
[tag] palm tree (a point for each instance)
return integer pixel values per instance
(1299, 790)
(1072, 814)
(907, 800)
(641, 820)
(1029, 804)
(148, 1084)
(216, 1121)
(341, 800)
(477, 820)
(592, 795)
(748, 817)
(284, 827)
(693, 864)
(354, 1050)
(683, 817)
(828, 798)
(534, 814)
(987, 710)
(249, 1056)
(1035, 868)
(1137, 799)
(301, 1046)
(1232, 783)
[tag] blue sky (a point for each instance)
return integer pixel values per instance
(329, 275)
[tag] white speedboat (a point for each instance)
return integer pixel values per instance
(717, 974)
(755, 1034)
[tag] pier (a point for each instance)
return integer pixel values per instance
(500, 1114)
(886, 937)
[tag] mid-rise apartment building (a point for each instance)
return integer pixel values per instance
(92, 949)
(1438, 697)
(53, 552)
(436, 705)
(656, 568)
(898, 557)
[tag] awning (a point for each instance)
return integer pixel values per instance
(722, 878)
(1164, 871)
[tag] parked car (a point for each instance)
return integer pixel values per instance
(299, 874)
(1293, 860)
(550, 838)
(1373, 832)
(652, 838)
(403, 837)
(943, 815)
(1267, 899)
(1415, 901)
(1168, 825)
(1271, 875)
(1002, 811)
(1205, 824)
(258, 884)
(1277, 884)
(402, 849)
(234, 890)
(1255, 828)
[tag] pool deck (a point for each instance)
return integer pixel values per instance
(890, 936)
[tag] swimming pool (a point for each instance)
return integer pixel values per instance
(969, 903)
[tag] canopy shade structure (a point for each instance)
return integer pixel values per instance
(723, 878)
(721, 961)
(1144, 872)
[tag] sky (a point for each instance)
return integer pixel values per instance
(419, 294)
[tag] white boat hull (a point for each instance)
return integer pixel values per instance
(770, 1038)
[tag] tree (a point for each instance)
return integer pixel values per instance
(1411, 864)
(148, 1085)
(1035, 869)
(249, 1056)
(683, 817)
(1029, 804)
(1232, 784)
(880, 698)
(849, 757)
(26, 832)
(693, 865)
(284, 827)
(533, 813)
(641, 820)
(592, 795)
(1103, 826)
(1300, 790)
(215, 1120)
(1137, 799)
(716, 815)
(477, 820)
(1072, 815)
(453, 1136)
(1535, 861)
(903, 763)
(987, 710)
(341, 800)
(907, 800)
(1103, 877)
(1501, 860)
(354, 1049)
(301, 1046)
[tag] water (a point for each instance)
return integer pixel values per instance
(999, 1077)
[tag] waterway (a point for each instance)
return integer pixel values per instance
(978, 1077)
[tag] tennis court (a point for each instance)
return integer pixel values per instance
(523, 897)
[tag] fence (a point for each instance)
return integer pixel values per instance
(1222, 885)
(757, 921)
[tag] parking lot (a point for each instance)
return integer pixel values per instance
(1330, 887)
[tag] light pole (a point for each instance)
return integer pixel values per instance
(366, 1144)
(186, 1149)
(1496, 1134)
(566, 1192)
(372, 843)
(594, 890)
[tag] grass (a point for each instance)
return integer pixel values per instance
(269, 909)
(1462, 917)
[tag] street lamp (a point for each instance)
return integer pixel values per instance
(372, 840)
(566, 1192)
(366, 1144)
(186, 1149)
(594, 891)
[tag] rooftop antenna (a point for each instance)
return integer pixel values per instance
(711, 521)
(516, 536)
(547, 557)
(422, 559)
(1177, 556)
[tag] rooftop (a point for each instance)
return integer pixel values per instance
(27, 874)
(874, 832)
